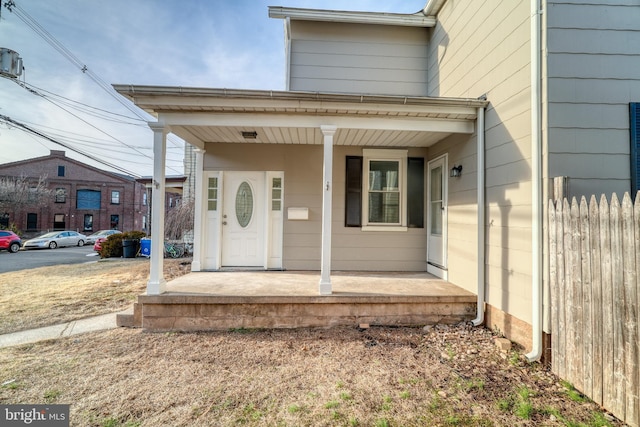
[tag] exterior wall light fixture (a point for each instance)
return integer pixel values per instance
(456, 171)
(249, 134)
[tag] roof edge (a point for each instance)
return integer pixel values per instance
(432, 8)
(377, 18)
(133, 91)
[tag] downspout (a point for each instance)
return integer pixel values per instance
(287, 51)
(536, 187)
(479, 320)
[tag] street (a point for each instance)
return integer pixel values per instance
(34, 258)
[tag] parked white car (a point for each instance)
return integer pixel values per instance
(56, 239)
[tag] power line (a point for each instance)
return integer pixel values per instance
(53, 42)
(28, 129)
(90, 124)
(58, 46)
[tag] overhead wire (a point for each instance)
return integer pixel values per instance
(28, 129)
(53, 42)
(58, 46)
(80, 138)
(48, 99)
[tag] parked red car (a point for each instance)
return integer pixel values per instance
(9, 241)
(98, 244)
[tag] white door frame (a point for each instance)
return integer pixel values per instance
(243, 244)
(438, 269)
(272, 210)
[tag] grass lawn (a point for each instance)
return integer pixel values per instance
(50, 295)
(447, 376)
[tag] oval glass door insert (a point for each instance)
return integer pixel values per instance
(244, 204)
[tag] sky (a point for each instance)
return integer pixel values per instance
(191, 43)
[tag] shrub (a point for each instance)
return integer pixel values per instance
(112, 247)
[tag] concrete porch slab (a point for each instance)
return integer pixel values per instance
(279, 299)
(305, 283)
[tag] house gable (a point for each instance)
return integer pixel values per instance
(358, 58)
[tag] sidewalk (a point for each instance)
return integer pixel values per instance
(75, 327)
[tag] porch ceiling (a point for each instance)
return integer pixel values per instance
(202, 116)
(294, 135)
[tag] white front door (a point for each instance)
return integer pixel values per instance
(437, 221)
(243, 219)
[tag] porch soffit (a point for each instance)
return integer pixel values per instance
(220, 115)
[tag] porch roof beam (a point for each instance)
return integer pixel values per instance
(198, 104)
(419, 124)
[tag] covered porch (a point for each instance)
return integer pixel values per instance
(289, 299)
(239, 124)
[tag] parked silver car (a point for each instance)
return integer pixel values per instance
(56, 239)
(91, 239)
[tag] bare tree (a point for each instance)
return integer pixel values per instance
(17, 193)
(179, 220)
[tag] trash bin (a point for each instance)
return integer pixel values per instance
(145, 247)
(129, 248)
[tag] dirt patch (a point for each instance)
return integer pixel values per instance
(446, 376)
(50, 295)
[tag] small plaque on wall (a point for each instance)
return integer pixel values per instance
(300, 214)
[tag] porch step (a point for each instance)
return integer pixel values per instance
(126, 320)
(213, 312)
(130, 319)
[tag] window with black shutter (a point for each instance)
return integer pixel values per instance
(413, 193)
(353, 203)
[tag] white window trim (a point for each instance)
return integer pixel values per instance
(116, 198)
(384, 155)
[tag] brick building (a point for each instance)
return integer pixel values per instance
(84, 198)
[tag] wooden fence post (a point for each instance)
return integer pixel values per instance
(577, 304)
(553, 284)
(596, 297)
(630, 319)
(560, 357)
(608, 379)
(568, 291)
(587, 302)
(617, 275)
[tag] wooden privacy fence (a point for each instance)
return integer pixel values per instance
(594, 269)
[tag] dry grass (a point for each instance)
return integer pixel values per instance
(50, 295)
(447, 376)
(335, 377)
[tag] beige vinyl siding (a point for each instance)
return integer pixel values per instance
(593, 64)
(352, 249)
(358, 58)
(482, 48)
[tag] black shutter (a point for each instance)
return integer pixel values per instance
(415, 192)
(353, 200)
(634, 127)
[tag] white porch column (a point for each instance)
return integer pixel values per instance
(157, 284)
(196, 264)
(327, 191)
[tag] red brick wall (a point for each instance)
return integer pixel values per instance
(78, 176)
